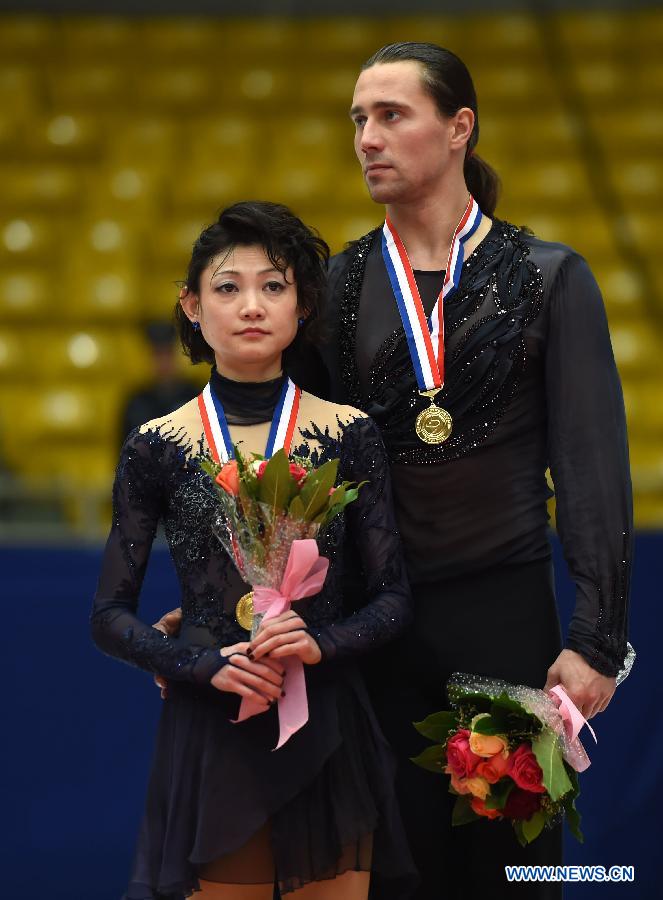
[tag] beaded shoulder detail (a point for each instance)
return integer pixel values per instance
(500, 293)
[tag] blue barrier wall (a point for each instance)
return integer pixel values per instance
(78, 734)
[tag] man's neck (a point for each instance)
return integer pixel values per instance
(427, 227)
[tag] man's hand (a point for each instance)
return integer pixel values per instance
(590, 691)
(285, 635)
(260, 681)
(169, 624)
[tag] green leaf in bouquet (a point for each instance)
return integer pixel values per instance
(438, 725)
(463, 813)
(433, 758)
(532, 827)
(518, 831)
(296, 508)
(338, 497)
(499, 793)
(275, 483)
(569, 802)
(210, 467)
(487, 725)
(315, 492)
(549, 756)
(573, 819)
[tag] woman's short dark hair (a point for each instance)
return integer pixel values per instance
(448, 81)
(287, 242)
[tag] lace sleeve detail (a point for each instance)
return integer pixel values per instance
(372, 529)
(138, 501)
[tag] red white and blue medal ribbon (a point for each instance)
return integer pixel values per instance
(217, 432)
(425, 338)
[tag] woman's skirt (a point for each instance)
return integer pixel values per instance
(327, 795)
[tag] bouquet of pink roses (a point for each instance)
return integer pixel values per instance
(511, 753)
(269, 515)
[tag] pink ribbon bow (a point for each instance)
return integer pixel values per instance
(304, 576)
(574, 722)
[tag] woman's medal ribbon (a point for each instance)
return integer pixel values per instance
(216, 429)
(426, 338)
(304, 576)
(220, 443)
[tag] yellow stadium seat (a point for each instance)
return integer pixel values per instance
(40, 187)
(541, 135)
(65, 136)
(639, 181)
(15, 362)
(27, 294)
(303, 185)
(447, 31)
(647, 28)
(644, 408)
(628, 133)
(177, 87)
(114, 356)
(66, 412)
(638, 349)
(340, 229)
(226, 139)
(341, 39)
(105, 293)
(108, 239)
(170, 246)
(125, 191)
(506, 36)
(511, 85)
(555, 185)
(166, 39)
(99, 37)
(30, 238)
(603, 84)
(309, 140)
(588, 232)
(647, 466)
(648, 511)
(596, 34)
(207, 190)
(624, 291)
(11, 135)
(20, 87)
(259, 38)
(144, 140)
(92, 86)
(27, 37)
(329, 88)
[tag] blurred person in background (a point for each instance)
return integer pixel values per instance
(168, 389)
(225, 814)
(521, 351)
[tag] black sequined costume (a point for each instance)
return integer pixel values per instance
(531, 383)
(214, 784)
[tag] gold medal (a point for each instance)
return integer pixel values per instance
(244, 611)
(433, 425)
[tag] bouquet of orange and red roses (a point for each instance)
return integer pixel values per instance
(269, 516)
(512, 752)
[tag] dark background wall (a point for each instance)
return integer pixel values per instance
(79, 730)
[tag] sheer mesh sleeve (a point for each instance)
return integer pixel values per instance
(588, 456)
(137, 504)
(372, 529)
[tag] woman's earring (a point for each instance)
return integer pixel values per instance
(300, 322)
(196, 326)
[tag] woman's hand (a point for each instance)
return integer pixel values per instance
(259, 681)
(284, 635)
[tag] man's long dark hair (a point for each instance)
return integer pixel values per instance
(449, 83)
